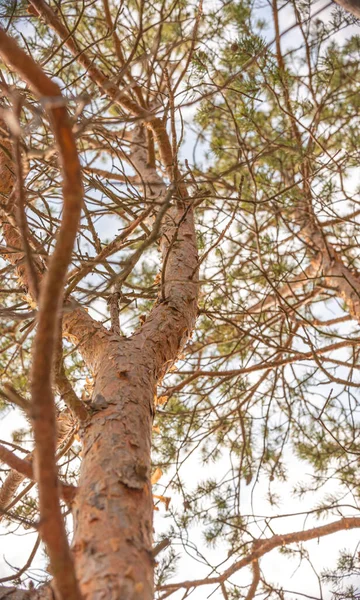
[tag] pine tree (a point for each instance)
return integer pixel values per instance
(181, 285)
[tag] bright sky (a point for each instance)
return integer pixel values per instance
(280, 569)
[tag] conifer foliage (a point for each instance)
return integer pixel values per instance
(180, 299)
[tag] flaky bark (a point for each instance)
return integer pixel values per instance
(113, 509)
(113, 515)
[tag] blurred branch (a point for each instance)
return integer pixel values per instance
(265, 546)
(24, 467)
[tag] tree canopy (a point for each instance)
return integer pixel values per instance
(243, 116)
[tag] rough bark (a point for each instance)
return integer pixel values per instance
(113, 509)
(113, 514)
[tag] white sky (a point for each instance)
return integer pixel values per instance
(278, 568)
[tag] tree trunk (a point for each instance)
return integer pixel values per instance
(114, 506)
(113, 509)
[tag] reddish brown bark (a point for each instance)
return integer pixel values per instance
(43, 408)
(113, 514)
(113, 509)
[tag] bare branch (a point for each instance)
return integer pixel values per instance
(12, 593)
(265, 546)
(43, 407)
(24, 467)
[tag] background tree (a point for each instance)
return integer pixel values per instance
(143, 116)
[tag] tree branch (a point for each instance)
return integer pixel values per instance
(12, 593)
(24, 568)
(111, 89)
(255, 582)
(78, 324)
(265, 546)
(298, 356)
(25, 468)
(43, 406)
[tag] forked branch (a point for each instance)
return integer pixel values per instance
(265, 546)
(43, 406)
